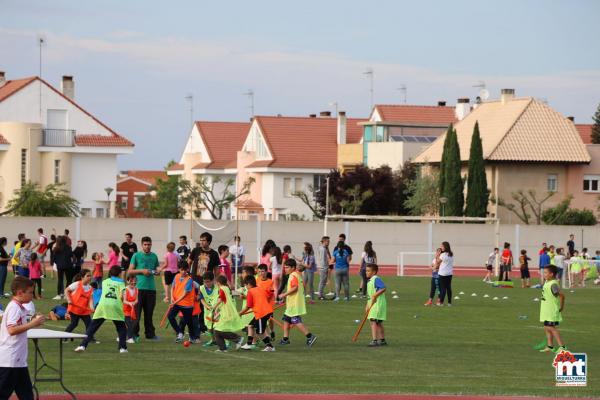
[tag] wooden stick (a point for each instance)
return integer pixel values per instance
(355, 337)
(164, 318)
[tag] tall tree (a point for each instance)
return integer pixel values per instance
(477, 191)
(444, 161)
(596, 127)
(452, 186)
(423, 196)
(163, 200)
(52, 201)
(215, 194)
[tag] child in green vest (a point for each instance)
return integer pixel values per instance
(551, 306)
(295, 305)
(110, 307)
(376, 306)
(226, 319)
(208, 297)
(575, 269)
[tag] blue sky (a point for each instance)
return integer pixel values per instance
(135, 61)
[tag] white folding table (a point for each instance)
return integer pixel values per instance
(41, 334)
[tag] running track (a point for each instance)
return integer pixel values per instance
(285, 396)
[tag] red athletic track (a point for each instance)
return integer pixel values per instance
(288, 396)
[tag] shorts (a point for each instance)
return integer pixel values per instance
(525, 273)
(124, 266)
(506, 268)
(377, 321)
(331, 267)
(292, 320)
(488, 267)
(550, 323)
(261, 324)
(169, 276)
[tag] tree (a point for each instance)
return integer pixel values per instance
(451, 182)
(354, 199)
(596, 127)
(526, 201)
(402, 180)
(310, 200)
(213, 193)
(563, 214)
(423, 196)
(477, 191)
(163, 200)
(52, 201)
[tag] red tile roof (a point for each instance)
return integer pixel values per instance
(305, 142)
(3, 140)
(585, 131)
(13, 86)
(149, 176)
(437, 115)
(249, 204)
(176, 167)
(201, 165)
(223, 140)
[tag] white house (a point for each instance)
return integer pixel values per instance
(46, 137)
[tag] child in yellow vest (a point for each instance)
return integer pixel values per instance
(295, 305)
(551, 306)
(377, 306)
(226, 318)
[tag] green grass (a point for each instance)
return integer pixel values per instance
(480, 346)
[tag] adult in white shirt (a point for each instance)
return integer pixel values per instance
(445, 262)
(238, 253)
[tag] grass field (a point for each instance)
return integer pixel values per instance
(480, 346)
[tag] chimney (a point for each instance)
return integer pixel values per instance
(507, 95)
(312, 115)
(67, 87)
(341, 127)
(325, 114)
(2, 79)
(463, 108)
(442, 103)
(571, 118)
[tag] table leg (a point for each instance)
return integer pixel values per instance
(60, 368)
(35, 370)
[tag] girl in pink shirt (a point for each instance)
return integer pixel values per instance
(170, 269)
(113, 255)
(35, 273)
(224, 264)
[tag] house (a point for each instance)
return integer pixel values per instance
(46, 137)
(211, 153)
(526, 146)
(396, 133)
(132, 187)
(286, 155)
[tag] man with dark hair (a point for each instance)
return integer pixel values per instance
(571, 244)
(203, 258)
(144, 265)
(128, 249)
(68, 239)
(342, 238)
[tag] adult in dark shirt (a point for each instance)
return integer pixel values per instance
(4, 259)
(67, 238)
(203, 259)
(79, 255)
(184, 249)
(128, 249)
(63, 258)
(571, 244)
(342, 238)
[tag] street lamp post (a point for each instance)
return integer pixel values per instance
(108, 191)
(443, 201)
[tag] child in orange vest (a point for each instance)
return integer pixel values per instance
(130, 300)
(79, 298)
(262, 308)
(266, 284)
(182, 300)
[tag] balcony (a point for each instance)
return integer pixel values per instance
(58, 137)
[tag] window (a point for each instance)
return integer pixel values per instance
(319, 182)
(124, 202)
(99, 212)
(591, 183)
(298, 185)
(56, 171)
(287, 187)
(136, 202)
(380, 134)
(552, 183)
(86, 212)
(23, 167)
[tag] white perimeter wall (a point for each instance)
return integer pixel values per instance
(470, 243)
(90, 174)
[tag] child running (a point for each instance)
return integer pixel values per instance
(80, 300)
(226, 318)
(551, 306)
(262, 311)
(295, 305)
(182, 301)
(130, 300)
(490, 264)
(376, 306)
(111, 308)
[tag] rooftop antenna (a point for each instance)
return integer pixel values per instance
(369, 72)
(484, 94)
(404, 90)
(334, 104)
(250, 94)
(41, 41)
(190, 98)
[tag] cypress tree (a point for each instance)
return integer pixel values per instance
(596, 127)
(477, 192)
(453, 183)
(443, 162)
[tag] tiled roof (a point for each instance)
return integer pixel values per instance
(149, 176)
(260, 163)
(411, 114)
(13, 86)
(201, 165)
(522, 129)
(176, 167)
(249, 204)
(223, 140)
(305, 142)
(3, 140)
(585, 131)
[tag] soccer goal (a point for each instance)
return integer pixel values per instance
(414, 263)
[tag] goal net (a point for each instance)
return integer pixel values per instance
(414, 263)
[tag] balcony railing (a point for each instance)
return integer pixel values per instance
(59, 137)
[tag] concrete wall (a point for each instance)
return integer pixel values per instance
(471, 243)
(92, 173)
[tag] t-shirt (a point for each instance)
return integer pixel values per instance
(98, 269)
(183, 251)
(3, 254)
(128, 250)
(113, 258)
(203, 261)
(341, 258)
(378, 284)
(237, 253)
(171, 259)
(73, 286)
(507, 257)
(149, 261)
(60, 311)
(544, 260)
(492, 259)
(13, 348)
(571, 246)
(446, 265)
(276, 267)
(35, 270)
(24, 257)
(43, 241)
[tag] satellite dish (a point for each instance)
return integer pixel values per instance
(484, 94)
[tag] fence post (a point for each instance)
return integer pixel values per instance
(517, 247)
(77, 229)
(430, 237)
(258, 239)
(170, 230)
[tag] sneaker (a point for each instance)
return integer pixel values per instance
(130, 340)
(449, 304)
(382, 342)
(238, 344)
(79, 349)
(358, 291)
(373, 343)
(209, 343)
(96, 341)
(561, 348)
(57, 297)
(123, 351)
(307, 296)
(283, 342)
(438, 303)
(220, 351)
(179, 338)
(546, 349)
(347, 298)
(321, 298)
(269, 348)
(196, 341)
(428, 303)
(336, 299)
(311, 340)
